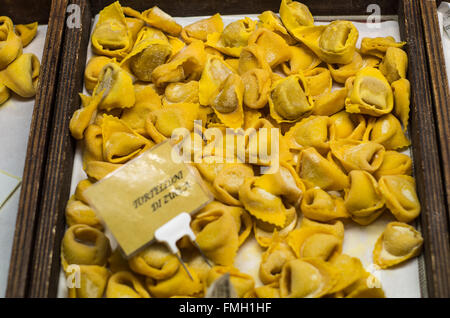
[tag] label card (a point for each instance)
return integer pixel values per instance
(139, 197)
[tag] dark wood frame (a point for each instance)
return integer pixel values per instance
(42, 276)
(439, 79)
(49, 12)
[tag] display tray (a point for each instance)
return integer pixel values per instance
(42, 277)
(440, 91)
(34, 115)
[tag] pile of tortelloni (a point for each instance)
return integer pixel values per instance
(19, 72)
(339, 150)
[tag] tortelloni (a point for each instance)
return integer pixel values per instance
(301, 59)
(257, 85)
(334, 43)
(379, 45)
(241, 282)
(155, 262)
(111, 36)
(316, 125)
(306, 278)
(187, 64)
(387, 131)
(93, 69)
(363, 200)
(181, 93)
(318, 171)
(218, 230)
(319, 205)
(273, 260)
(233, 38)
(272, 22)
(274, 48)
(22, 75)
(313, 131)
(319, 82)
(371, 94)
(152, 48)
(394, 163)
(77, 212)
(402, 91)
(92, 282)
(358, 155)
(295, 15)
(125, 285)
(115, 88)
(159, 19)
(199, 30)
(84, 245)
(349, 126)
(120, 142)
(398, 243)
(399, 192)
(228, 103)
(289, 99)
(179, 284)
(394, 64)
(318, 240)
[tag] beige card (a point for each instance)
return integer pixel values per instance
(148, 191)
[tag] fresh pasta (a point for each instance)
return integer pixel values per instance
(341, 116)
(19, 71)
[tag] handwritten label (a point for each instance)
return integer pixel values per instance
(144, 194)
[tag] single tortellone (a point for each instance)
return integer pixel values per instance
(289, 99)
(111, 36)
(307, 278)
(398, 243)
(22, 75)
(319, 129)
(399, 192)
(152, 48)
(19, 71)
(363, 200)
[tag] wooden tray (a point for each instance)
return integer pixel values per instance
(45, 12)
(439, 87)
(43, 273)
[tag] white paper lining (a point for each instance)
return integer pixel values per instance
(15, 119)
(443, 9)
(399, 282)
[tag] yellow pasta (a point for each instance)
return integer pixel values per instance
(371, 94)
(199, 30)
(92, 282)
(10, 43)
(111, 36)
(233, 38)
(27, 32)
(399, 192)
(125, 285)
(306, 278)
(316, 170)
(84, 245)
(363, 199)
(155, 262)
(289, 99)
(336, 113)
(398, 243)
(22, 75)
(161, 20)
